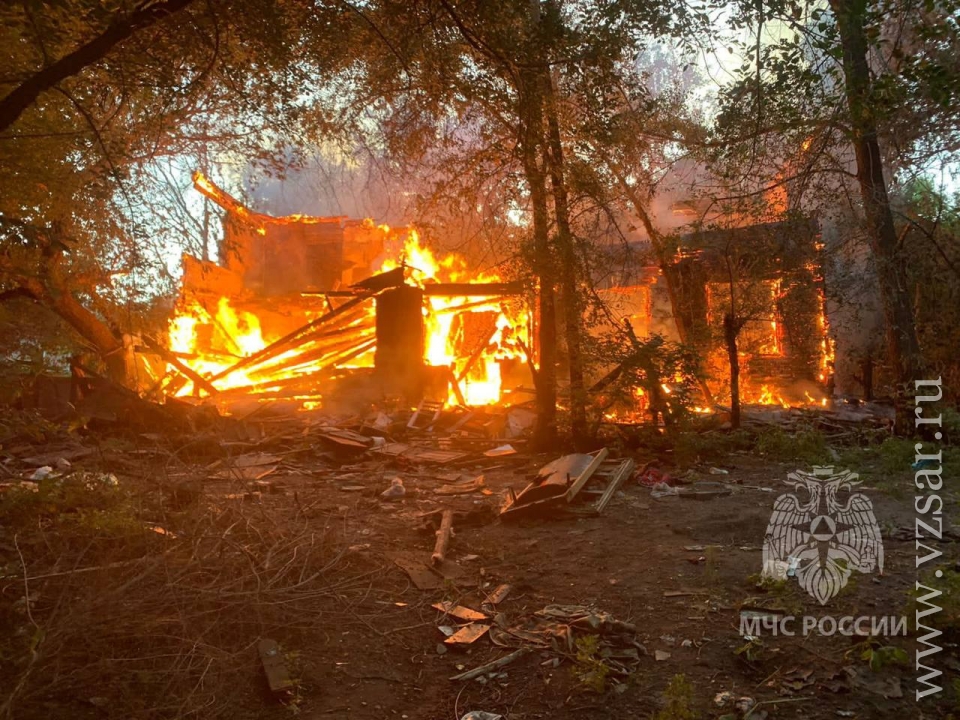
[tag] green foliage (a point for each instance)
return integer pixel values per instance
(751, 651)
(877, 655)
(647, 365)
(766, 583)
(678, 701)
(86, 507)
(895, 455)
(808, 445)
(691, 447)
(590, 669)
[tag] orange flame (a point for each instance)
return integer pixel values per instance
(481, 382)
(210, 343)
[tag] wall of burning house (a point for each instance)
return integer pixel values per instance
(297, 302)
(774, 272)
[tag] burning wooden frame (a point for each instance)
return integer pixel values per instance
(297, 302)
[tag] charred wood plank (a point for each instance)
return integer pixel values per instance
(184, 369)
(472, 289)
(291, 339)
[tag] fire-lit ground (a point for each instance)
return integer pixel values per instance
(640, 562)
(157, 562)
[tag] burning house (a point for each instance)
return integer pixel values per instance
(767, 277)
(297, 303)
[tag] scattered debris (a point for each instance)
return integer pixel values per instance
(498, 594)
(274, 666)
(463, 487)
(662, 490)
(425, 574)
(722, 699)
(468, 634)
(43, 473)
(443, 538)
(562, 481)
(501, 451)
(490, 666)
(420, 455)
(458, 611)
(885, 685)
(395, 491)
(704, 491)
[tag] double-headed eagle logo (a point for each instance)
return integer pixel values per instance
(820, 536)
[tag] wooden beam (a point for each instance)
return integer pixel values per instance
(585, 476)
(278, 346)
(184, 369)
(622, 472)
(443, 538)
(297, 380)
(472, 289)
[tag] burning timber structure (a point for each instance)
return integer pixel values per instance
(767, 276)
(296, 303)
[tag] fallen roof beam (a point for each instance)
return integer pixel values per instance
(185, 369)
(289, 340)
(472, 289)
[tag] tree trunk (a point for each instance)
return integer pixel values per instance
(730, 338)
(903, 347)
(531, 111)
(50, 288)
(664, 261)
(572, 306)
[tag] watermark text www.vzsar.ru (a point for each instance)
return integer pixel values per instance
(928, 476)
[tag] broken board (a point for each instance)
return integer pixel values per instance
(416, 454)
(274, 667)
(561, 479)
(422, 573)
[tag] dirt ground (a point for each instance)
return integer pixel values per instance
(366, 642)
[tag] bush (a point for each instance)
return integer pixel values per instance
(678, 700)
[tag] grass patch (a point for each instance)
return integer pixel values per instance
(689, 448)
(678, 701)
(808, 445)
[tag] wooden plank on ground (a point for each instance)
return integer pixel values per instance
(468, 634)
(274, 667)
(584, 477)
(619, 477)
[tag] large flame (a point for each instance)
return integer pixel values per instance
(479, 378)
(211, 342)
